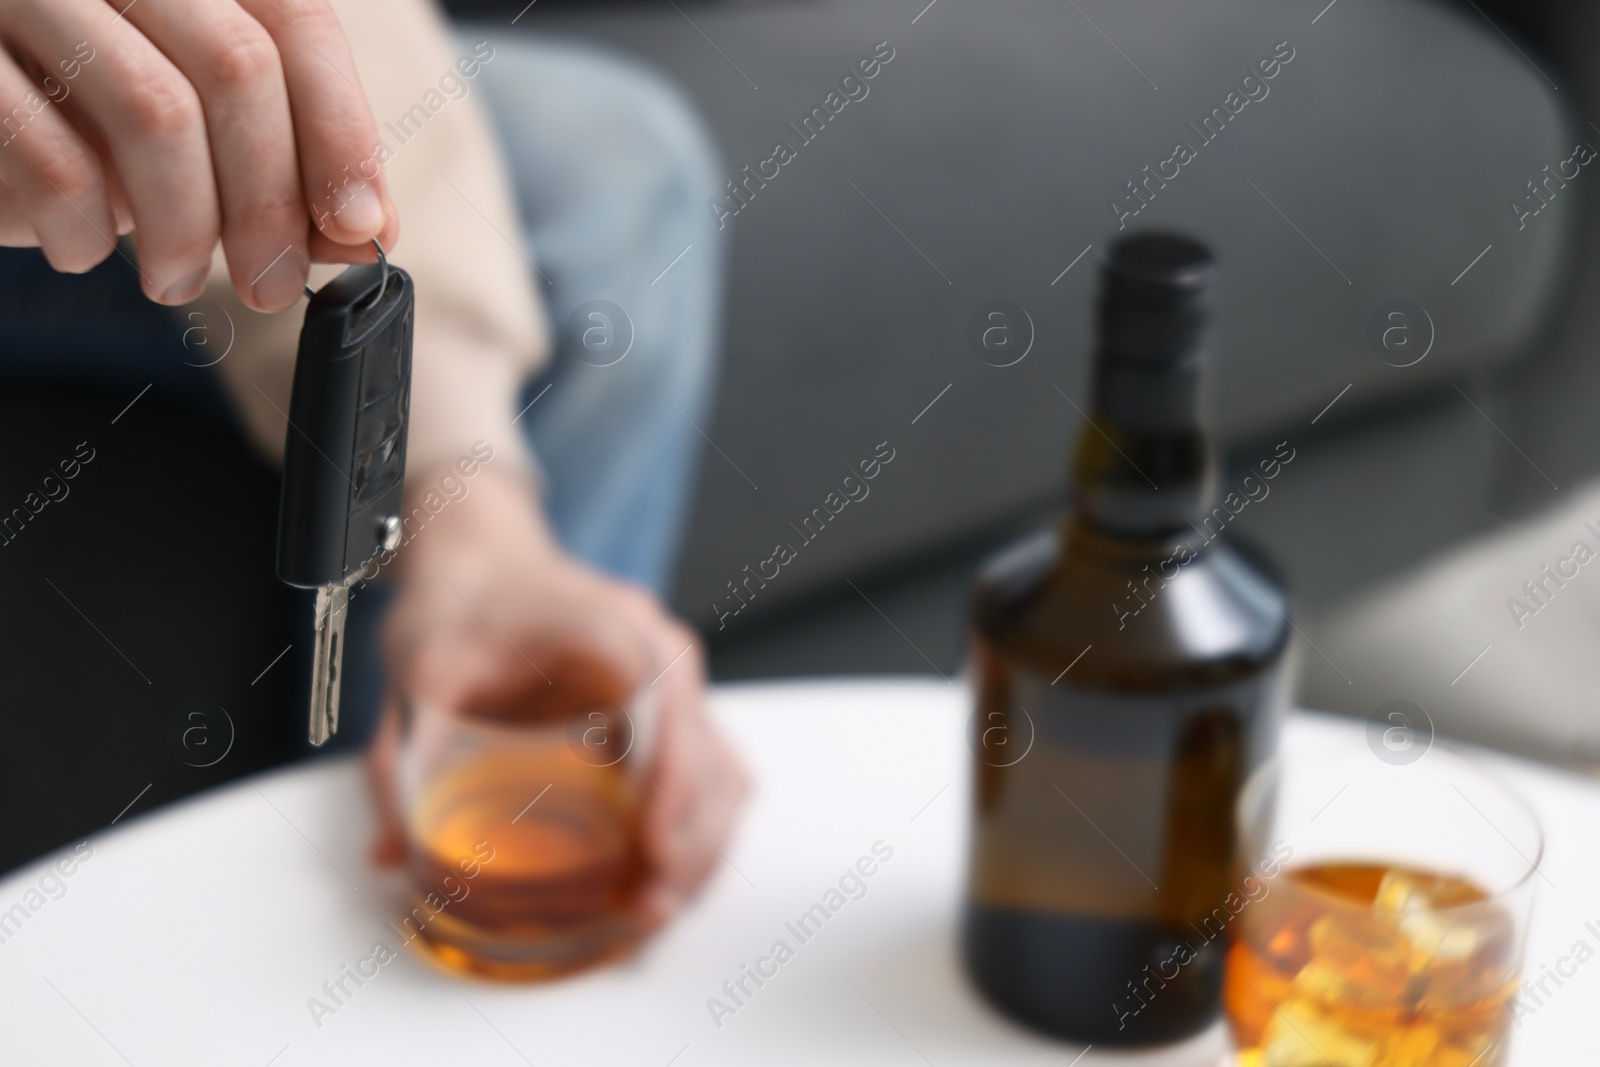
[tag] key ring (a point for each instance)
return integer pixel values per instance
(383, 283)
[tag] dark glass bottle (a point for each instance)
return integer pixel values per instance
(1129, 673)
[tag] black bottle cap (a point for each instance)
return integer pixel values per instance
(1154, 298)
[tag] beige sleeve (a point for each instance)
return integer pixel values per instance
(480, 328)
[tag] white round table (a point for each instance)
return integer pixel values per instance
(199, 933)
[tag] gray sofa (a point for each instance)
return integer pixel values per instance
(1378, 164)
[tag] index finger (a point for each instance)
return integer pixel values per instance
(335, 133)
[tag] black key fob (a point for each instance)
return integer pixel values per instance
(344, 458)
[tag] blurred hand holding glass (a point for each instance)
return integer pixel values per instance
(536, 791)
(1393, 936)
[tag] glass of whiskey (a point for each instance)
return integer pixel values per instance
(1383, 918)
(525, 857)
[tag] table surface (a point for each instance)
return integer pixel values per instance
(197, 934)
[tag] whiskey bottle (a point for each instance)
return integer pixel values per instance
(1129, 671)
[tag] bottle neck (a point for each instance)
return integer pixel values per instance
(1142, 482)
(1144, 467)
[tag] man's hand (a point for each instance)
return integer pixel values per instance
(485, 576)
(186, 122)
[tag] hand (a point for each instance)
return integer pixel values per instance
(186, 121)
(484, 576)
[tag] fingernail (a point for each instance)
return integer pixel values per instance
(282, 284)
(186, 290)
(363, 212)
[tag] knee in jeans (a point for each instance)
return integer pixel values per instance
(617, 116)
(678, 162)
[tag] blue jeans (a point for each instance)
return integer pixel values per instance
(610, 166)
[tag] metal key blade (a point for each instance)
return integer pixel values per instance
(332, 602)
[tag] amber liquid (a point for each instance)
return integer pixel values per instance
(1362, 965)
(1098, 855)
(559, 888)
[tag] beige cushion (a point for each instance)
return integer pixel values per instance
(1527, 598)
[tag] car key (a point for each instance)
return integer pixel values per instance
(344, 455)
